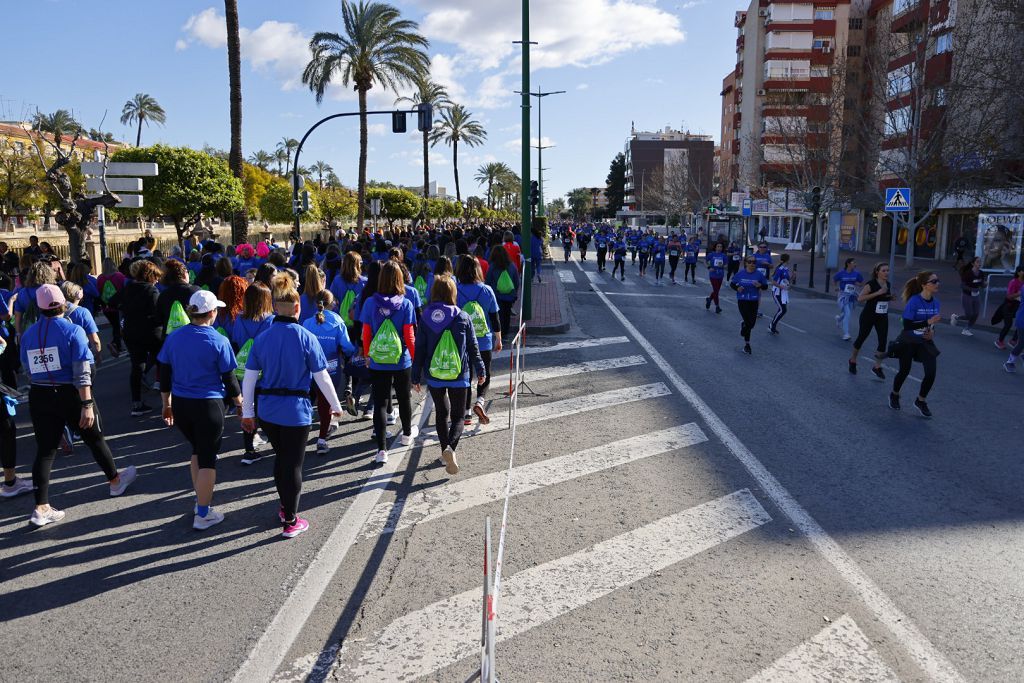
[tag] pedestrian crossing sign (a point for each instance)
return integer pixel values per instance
(897, 199)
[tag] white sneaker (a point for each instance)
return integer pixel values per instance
(258, 440)
(967, 333)
(381, 458)
(43, 518)
(392, 417)
(953, 317)
(366, 415)
(128, 475)
(212, 517)
(407, 439)
(451, 465)
(321, 447)
(847, 337)
(19, 487)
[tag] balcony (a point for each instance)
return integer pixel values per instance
(907, 15)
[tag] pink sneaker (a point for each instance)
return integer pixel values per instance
(295, 528)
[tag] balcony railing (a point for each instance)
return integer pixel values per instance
(787, 74)
(901, 7)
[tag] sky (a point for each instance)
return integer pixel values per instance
(620, 62)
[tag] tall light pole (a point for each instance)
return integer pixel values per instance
(540, 147)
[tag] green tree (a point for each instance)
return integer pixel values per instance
(141, 108)
(436, 95)
(287, 147)
(322, 168)
(580, 201)
(21, 180)
(458, 125)
(276, 204)
(261, 159)
(555, 206)
(255, 182)
(58, 124)
(398, 204)
(335, 204)
(281, 158)
(490, 174)
(190, 185)
(239, 219)
(377, 46)
(615, 184)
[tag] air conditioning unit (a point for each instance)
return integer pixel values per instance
(762, 92)
(763, 12)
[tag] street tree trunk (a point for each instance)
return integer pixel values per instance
(138, 136)
(361, 194)
(239, 219)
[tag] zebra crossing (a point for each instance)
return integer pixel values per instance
(445, 632)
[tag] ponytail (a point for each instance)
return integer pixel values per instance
(915, 285)
(324, 300)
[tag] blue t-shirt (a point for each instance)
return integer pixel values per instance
(244, 329)
(198, 356)
(81, 316)
(781, 274)
(620, 250)
(763, 261)
(483, 295)
(49, 349)
(412, 295)
(846, 283)
(5, 297)
(919, 310)
(751, 284)
(716, 265)
(659, 252)
(374, 313)
(288, 355)
(307, 307)
(333, 337)
(25, 295)
(691, 249)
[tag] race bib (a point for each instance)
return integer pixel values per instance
(736, 258)
(332, 365)
(717, 263)
(975, 292)
(850, 289)
(882, 307)
(673, 253)
(45, 360)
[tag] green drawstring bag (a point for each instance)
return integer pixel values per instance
(346, 307)
(109, 290)
(191, 277)
(420, 284)
(479, 319)
(446, 363)
(220, 330)
(241, 358)
(177, 318)
(505, 284)
(386, 347)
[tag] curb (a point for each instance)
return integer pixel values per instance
(563, 311)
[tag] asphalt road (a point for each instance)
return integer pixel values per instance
(681, 511)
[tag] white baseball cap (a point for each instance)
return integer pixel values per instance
(204, 302)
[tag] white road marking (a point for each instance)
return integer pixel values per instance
(652, 295)
(434, 503)
(567, 276)
(446, 631)
(272, 647)
(924, 653)
(890, 368)
(556, 371)
(594, 277)
(567, 346)
(841, 652)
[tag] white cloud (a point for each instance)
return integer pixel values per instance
(583, 86)
(517, 143)
(377, 129)
(180, 44)
(447, 71)
(493, 93)
(207, 28)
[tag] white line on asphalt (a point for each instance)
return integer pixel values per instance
(567, 276)
(431, 504)
(567, 346)
(925, 654)
(556, 371)
(594, 277)
(840, 652)
(890, 368)
(768, 315)
(272, 647)
(441, 634)
(652, 295)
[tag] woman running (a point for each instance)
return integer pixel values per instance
(847, 281)
(257, 314)
(197, 373)
(446, 350)
(503, 279)
(690, 252)
(389, 341)
(748, 284)
(1008, 309)
(620, 248)
(289, 358)
(645, 253)
(780, 292)
(971, 283)
(658, 256)
(108, 299)
(716, 261)
(875, 296)
(329, 329)
(143, 327)
(675, 249)
(916, 342)
(481, 305)
(56, 353)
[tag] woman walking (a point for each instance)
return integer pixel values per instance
(847, 280)
(748, 284)
(503, 279)
(290, 359)
(875, 296)
(197, 374)
(143, 327)
(56, 353)
(481, 305)
(108, 294)
(257, 314)
(971, 283)
(917, 341)
(330, 331)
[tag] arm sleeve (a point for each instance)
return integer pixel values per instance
(81, 373)
(231, 388)
(409, 336)
(492, 318)
(249, 393)
(418, 356)
(367, 338)
(326, 386)
(164, 372)
(347, 347)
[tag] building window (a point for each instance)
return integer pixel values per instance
(853, 50)
(856, 23)
(940, 97)
(820, 43)
(900, 81)
(819, 72)
(825, 13)
(944, 43)
(897, 121)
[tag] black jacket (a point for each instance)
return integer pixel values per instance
(137, 303)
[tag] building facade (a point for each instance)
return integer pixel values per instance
(668, 171)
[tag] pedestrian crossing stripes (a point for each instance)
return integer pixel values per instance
(566, 346)
(448, 630)
(455, 497)
(556, 371)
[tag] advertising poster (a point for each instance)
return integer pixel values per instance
(999, 241)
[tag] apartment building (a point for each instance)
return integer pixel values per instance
(728, 159)
(663, 157)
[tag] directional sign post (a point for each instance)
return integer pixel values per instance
(94, 185)
(897, 201)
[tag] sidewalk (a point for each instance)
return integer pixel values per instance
(550, 312)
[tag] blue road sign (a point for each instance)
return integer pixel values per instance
(748, 207)
(897, 200)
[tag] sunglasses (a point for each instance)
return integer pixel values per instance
(933, 282)
(750, 263)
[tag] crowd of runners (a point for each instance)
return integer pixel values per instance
(351, 326)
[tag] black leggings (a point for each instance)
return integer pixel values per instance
(673, 263)
(659, 270)
(383, 380)
(141, 355)
(690, 269)
(877, 322)
(1008, 317)
(51, 409)
(114, 316)
(779, 314)
(748, 311)
(448, 418)
(921, 354)
(620, 267)
(8, 440)
(481, 389)
(643, 262)
(201, 420)
(289, 445)
(602, 258)
(505, 317)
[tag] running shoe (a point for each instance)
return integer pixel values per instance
(718, 309)
(847, 337)
(294, 528)
(115, 350)
(707, 303)
(258, 441)
(773, 332)
(894, 401)
(623, 278)
(1010, 367)
(321, 447)
(747, 350)
(350, 405)
(19, 487)
(451, 465)
(367, 415)
(212, 517)
(922, 407)
(128, 475)
(332, 428)
(481, 414)
(967, 333)
(877, 372)
(381, 457)
(140, 408)
(392, 417)
(1000, 344)
(852, 367)
(839, 321)
(953, 317)
(467, 421)
(66, 442)
(249, 457)
(49, 517)
(407, 439)
(155, 386)
(280, 513)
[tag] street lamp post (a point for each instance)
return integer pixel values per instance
(540, 147)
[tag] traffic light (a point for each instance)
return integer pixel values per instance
(534, 193)
(424, 117)
(398, 122)
(305, 201)
(815, 199)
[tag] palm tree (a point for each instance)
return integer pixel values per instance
(281, 157)
(490, 174)
(287, 146)
(322, 168)
(458, 125)
(434, 94)
(239, 219)
(58, 124)
(141, 108)
(261, 159)
(378, 46)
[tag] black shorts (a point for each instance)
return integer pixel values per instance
(201, 420)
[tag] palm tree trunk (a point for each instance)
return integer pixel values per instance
(455, 163)
(138, 136)
(490, 185)
(240, 219)
(361, 196)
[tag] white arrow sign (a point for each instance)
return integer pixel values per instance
(95, 168)
(128, 201)
(115, 184)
